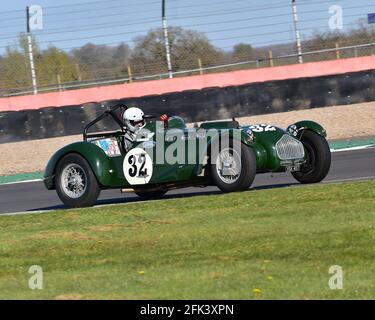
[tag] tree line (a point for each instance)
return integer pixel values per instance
(189, 50)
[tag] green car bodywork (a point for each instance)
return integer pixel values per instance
(109, 170)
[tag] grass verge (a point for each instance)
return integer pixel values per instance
(269, 244)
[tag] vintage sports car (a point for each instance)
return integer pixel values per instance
(119, 159)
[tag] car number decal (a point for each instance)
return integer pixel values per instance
(262, 127)
(137, 167)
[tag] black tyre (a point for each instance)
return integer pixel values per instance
(76, 184)
(233, 168)
(150, 195)
(318, 159)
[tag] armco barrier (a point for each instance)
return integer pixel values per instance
(198, 105)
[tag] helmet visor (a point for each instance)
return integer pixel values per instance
(138, 124)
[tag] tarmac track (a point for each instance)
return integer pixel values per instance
(32, 196)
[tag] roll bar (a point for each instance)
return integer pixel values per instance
(109, 112)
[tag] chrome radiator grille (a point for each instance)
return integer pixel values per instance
(288, 148)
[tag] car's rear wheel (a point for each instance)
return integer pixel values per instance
(233, 168)
(76, 184)
(318, 158)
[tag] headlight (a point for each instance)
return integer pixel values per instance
(250, 135)
(292, 130)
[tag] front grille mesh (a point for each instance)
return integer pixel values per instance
(288, 148)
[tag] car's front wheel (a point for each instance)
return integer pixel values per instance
(318, 158)
(76, 184)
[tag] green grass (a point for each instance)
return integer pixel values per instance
(280, 241)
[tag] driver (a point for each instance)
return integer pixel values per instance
(134, 119)
(134, 122)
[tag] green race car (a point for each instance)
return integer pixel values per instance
(167, 154)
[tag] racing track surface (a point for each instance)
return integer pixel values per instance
(32, 196)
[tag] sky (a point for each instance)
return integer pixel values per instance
(69, 24)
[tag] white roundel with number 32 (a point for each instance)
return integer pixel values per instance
(262, 128)
(137, 167)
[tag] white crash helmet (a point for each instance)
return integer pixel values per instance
(134, 119)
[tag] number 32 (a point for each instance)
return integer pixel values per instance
(137, 163)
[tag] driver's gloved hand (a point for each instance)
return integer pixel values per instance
(163, 117)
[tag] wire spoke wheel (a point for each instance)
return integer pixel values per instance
(74, 181)
(228, 165)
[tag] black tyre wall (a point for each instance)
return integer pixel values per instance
(317, 144)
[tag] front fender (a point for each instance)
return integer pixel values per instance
(95, 156)
(311, 125)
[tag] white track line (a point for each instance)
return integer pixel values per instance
(19, 182)
(369, 146)
(93, 207)
(25, 213)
